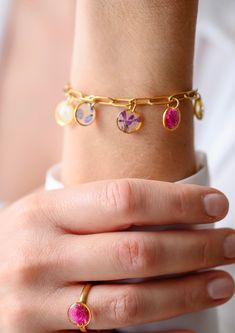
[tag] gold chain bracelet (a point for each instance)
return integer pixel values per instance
(82, 109)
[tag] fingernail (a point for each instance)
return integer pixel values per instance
(229, 246)
(221, 288)
(215, 204)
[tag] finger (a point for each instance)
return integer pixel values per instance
(182, 331)
(114, 331)
(124, 255)
(112, 205)
(115, 306)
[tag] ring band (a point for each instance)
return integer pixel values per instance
(79, 313)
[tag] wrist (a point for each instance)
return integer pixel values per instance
(101, 151)
(132, 54)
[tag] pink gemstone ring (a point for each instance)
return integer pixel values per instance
(79, 313)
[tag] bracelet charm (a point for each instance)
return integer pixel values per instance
(198, 108)
(171, 118)
(64, 113)
(129, 121)
(85, 114)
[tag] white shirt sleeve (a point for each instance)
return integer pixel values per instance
(201, 177)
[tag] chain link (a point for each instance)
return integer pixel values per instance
(172, 100)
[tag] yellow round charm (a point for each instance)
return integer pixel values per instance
(198, 108)
(64, 113)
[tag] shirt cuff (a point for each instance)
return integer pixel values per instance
(201, 177)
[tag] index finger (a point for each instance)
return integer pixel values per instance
(119, 204)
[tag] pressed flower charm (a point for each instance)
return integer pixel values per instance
(171, 118)
(64, 113)
(85, 114)
(129, 121)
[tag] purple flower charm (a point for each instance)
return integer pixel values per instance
(129, 122)
(171, 118)
(85, 114)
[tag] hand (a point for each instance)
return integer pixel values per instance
(50, 241)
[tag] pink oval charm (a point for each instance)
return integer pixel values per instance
(79, 314)
(171, 118)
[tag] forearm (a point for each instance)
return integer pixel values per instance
(132, 49)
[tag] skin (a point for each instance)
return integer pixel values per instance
(44, 225)
(63, 237)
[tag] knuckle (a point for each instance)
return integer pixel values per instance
(190, 298)
(117, 197)
(57, 255)
(24, 270)
(204, 252)
(23, 219)
(125, 306)
(181, 202)
(135, 254)
(30, 266)
(33, 208)
(25, 211)
(17, 313)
